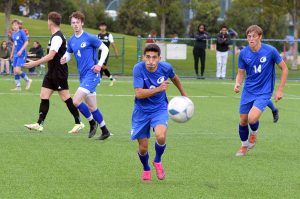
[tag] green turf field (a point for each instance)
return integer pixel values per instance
(199, 160)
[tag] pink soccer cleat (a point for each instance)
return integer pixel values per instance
(160, 172)
(146, 176)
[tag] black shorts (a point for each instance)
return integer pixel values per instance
(56, 84)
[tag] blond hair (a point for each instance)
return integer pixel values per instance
(254, 28)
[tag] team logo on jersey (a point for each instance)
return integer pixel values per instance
(83, 44)
(161, 80)
(17, 38)
(263, 59)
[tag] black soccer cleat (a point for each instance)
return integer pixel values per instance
(275, 116)
(103, 136)
(93, 129)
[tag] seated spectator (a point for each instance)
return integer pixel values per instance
(35, 53)
(4, 58)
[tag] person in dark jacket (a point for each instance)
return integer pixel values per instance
(201, 37)
(35, 53)
(223, 41)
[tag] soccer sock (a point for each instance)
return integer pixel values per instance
(73, 110)
(44, 107)
(106, 72)
(272, 106)
(111, 77)
(244, 133)
(159, 151)
(84, 110)
(24, 76)
(254, 126)
(144, 160)
(101, 73)
(98, 117)
(17, 80)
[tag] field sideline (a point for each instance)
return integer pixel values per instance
(199, 158)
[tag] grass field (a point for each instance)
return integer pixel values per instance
(199, 159)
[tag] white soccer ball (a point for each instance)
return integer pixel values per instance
(180, 109)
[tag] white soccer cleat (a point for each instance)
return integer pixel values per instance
(76, 128)
(35, 127)
(28, 84)
(18, 88)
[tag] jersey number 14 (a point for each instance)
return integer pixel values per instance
(257, 69)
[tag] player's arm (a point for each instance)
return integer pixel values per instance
(142, 93)
(111, 40)
(23, 48)
(176, 81)
(104, 53)
(12, 51)
(239, 80)
(284, 75)
(44, 59)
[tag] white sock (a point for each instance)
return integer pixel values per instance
(245, 143)
(90, 118)
(102, 123)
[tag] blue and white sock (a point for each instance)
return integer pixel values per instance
(244, 134)
(159, 151)
(17, 80)
(98, 117)
(24, 76)
(254, 127)
(272, 106)
(84, 110)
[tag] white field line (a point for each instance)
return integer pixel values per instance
(288, 96)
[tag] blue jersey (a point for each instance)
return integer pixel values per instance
(85, 50)
(144, 79)
(260, 71)
(19, 38)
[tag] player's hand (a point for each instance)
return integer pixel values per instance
(164, 86)
(63, 60)
(29, 64)
(19, 53)
(278, 96)
(96, 68)
(237, 87)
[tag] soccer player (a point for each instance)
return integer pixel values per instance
(275, 112)
(85, 47)
(257, 60)
(150, 81)
(108, 40)
(56, 78)
(18, 55)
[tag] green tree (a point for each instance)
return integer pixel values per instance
(206, 12)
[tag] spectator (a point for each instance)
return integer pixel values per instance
(223, 41)
(152, 37)
(201, 37)
(4, 58)
(35, 53)
(174, 38)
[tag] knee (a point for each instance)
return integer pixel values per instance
(143, 149)
(161, 139)
(252, 120)
(243, 122)
(92, 108)
(76, 102)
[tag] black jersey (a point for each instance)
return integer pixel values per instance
(105, 38)
(55, 69)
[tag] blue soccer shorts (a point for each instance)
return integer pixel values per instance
(89, 82)
(259, 103)
(143, 122)
(19, 61)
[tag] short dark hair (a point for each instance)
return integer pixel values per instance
(223, 26)
(102, 24)
(152, 48)
(77, 15)
(55, 17)
(15, 21)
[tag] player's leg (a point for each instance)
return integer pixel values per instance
(7, 68)
(196, 61)
(43, 110)
(144, 158)
(20, 64)
(16, 71)
(202, 59)
(140, 130)
(224, 64)
(91, 101)
(65, 96)
(274, 110)
(219, 64)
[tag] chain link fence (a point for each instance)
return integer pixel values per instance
(179, 52)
